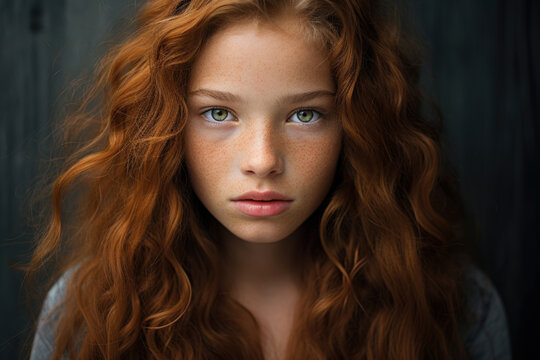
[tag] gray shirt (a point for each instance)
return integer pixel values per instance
(486, 338)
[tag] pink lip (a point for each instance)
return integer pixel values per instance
(262, 208)
(267, 195)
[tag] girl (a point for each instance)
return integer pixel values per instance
(261, 184)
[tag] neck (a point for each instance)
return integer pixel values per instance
(258, 268)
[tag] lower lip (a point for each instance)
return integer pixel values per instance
(262, 208)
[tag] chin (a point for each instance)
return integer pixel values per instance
(261, 234)
(261, 238)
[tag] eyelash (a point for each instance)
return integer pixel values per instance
(319, 114)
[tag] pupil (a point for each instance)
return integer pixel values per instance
(305, 115)
(219, 114)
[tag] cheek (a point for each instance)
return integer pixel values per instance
(205, 163)
(316, 163)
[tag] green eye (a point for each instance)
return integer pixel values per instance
(219, 114)
(216, 114)
(306, 116)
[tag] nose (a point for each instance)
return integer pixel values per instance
(262, 152)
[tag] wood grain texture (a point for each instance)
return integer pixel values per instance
(481, 66)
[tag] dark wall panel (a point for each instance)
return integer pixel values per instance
(482, 67)
(46, 44)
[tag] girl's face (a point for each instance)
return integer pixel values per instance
(261, 118)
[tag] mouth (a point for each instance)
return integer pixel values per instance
(260, 204)
(261, 208)
(266, 196)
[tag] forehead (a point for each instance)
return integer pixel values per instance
(273, 54)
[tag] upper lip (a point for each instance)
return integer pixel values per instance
(267, 195)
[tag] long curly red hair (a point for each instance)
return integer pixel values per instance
(381, 275)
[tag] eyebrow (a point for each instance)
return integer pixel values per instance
(216, 94)
(291, 98)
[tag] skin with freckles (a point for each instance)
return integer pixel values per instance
(249, 73)
(262, 117)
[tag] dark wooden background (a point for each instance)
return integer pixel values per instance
(481, 65)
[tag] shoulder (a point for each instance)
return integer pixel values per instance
(485, 330)
(43, 343)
